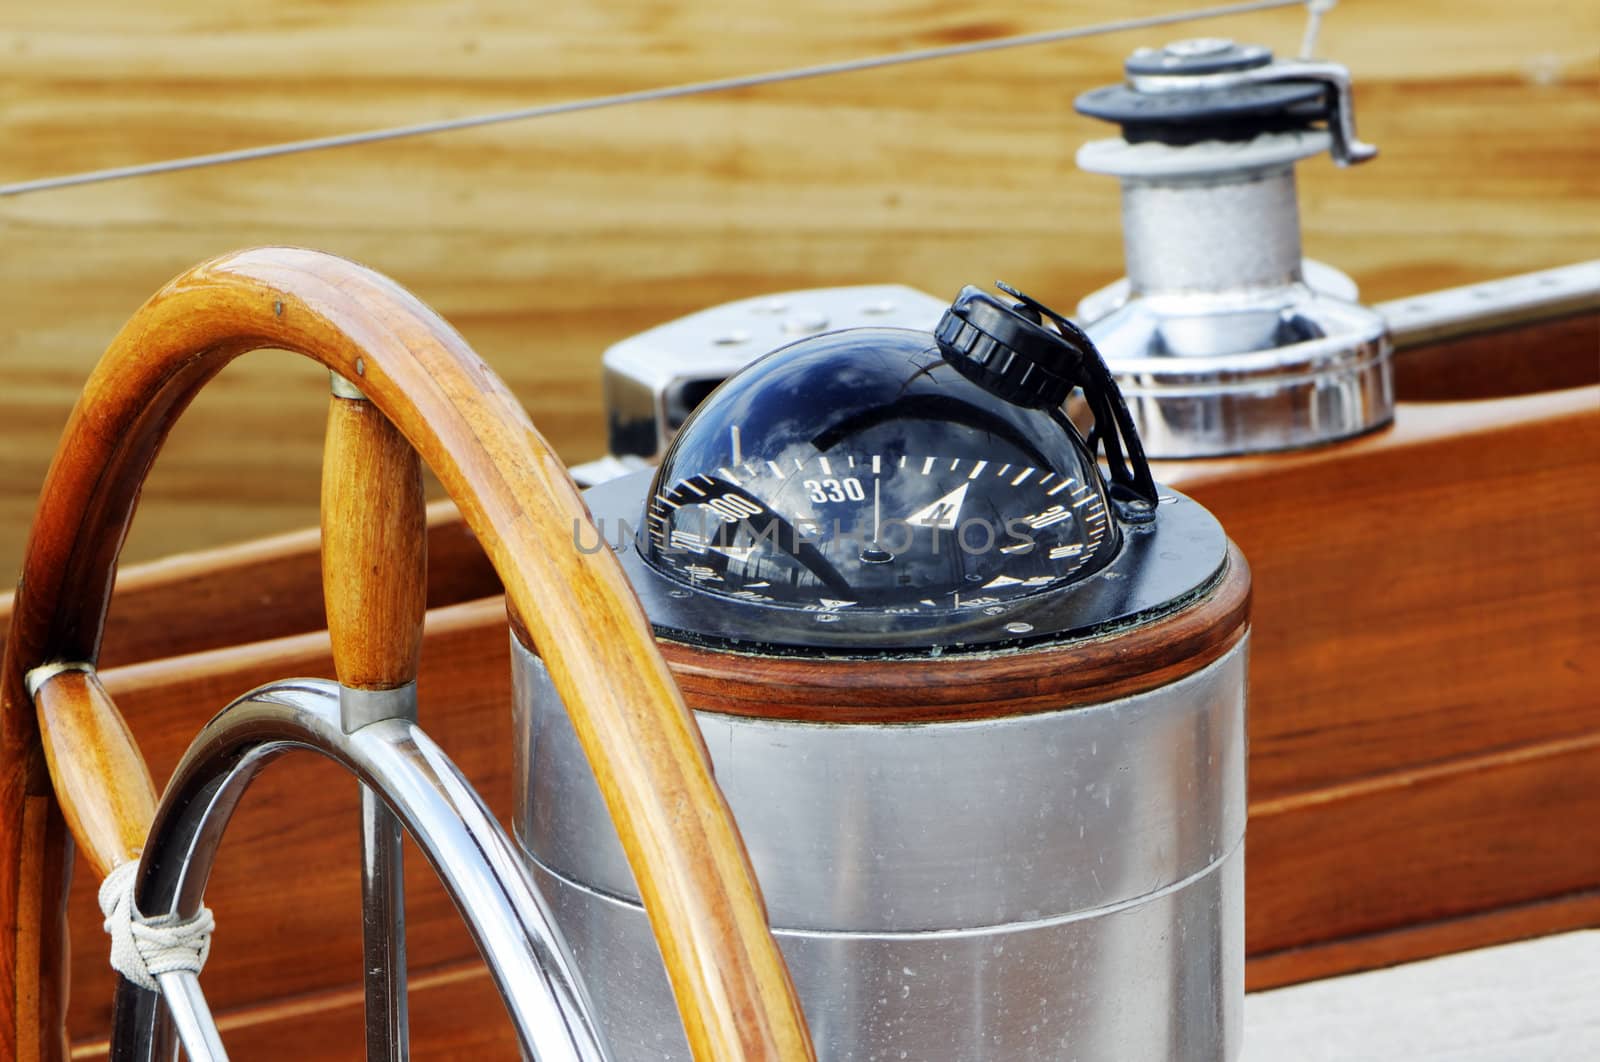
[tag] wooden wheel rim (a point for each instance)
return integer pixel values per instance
(733, 990)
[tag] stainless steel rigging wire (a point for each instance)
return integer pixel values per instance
(697, 88)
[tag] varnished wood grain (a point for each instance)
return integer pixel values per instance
(374, 547)
(975, 685)
(455, 1013)
(257, 590)
(548, 241)
(1422, 846)
(730, 981)
(1421, 940)
(37, 974)
(100, 778)
(1551, 356)
(1420, 594)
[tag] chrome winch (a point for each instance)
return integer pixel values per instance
(1224, 339)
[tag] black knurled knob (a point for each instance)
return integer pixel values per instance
(1006, 351)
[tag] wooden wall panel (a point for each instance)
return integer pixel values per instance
(545, 242)
(1417, 847)
(1407, 609)
(258, 590)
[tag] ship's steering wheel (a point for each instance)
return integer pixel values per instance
(405, 385)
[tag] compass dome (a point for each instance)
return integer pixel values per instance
(861, 470)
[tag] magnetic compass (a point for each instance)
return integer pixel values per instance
(886, 486)
(957, 663)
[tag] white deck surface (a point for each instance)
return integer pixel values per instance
(1534, 1001)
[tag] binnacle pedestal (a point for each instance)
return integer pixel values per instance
(977, 706)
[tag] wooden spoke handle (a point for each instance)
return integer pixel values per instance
(101, 780)
(374, 547)
(576, 608)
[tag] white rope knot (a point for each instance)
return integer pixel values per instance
(144, 949)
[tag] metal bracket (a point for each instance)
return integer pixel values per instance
(343, 388)
(35, 679)
(358, 707)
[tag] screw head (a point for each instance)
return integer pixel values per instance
(1196, 46)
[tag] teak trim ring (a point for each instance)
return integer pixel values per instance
(733, 990)
(970, 686)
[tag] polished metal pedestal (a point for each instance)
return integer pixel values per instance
(1062, 885)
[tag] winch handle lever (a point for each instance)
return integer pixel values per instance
(1347, 148)
(575, 608)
